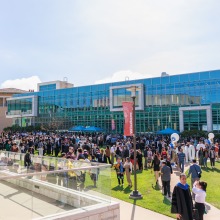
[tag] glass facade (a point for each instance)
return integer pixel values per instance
(90, 105)
(43, 88)
(19, 106)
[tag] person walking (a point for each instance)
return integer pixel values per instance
(119, 171)
(112, 151)
(195, 172)
(108, 153)
(181, 158)
(212, 158)
(165, 178)
(128, 170)
(156, 166)
(139, 160)
(199, 189)
(205, 157)
(145, 157)
(201, 157)
(181, 203)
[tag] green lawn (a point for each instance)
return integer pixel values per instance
(212, 177)
(152, 197)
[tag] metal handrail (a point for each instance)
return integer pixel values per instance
(18, 175)
(50, 172)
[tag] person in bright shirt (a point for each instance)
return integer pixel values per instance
(119, 171)
(72, 177)
(199, 189)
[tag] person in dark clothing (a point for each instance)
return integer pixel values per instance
(57, 148)
(49, 146)
(165, 178)
(27, 159)
(126, 152)
(139, 159)
(85, 153)
(118, 152)
(159, 147)
(145, 157)
(182, 204)
(80, 154)
(169, 165)
(98, 156)
(156, 166)
(103, 158)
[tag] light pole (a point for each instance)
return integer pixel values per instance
(21, 118)
(135, 194)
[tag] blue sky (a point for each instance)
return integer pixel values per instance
(94, 41)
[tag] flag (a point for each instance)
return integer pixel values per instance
(113, 124)
(128, 118)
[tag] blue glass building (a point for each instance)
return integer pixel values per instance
(184, 102)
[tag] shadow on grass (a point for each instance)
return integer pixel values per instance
(156, 187)
(127, 190)
(208, 169)
(166, 201)
(118, 188)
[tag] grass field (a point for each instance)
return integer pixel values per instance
(152, 197)
(212, 177)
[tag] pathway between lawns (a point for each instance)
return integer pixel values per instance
(213, 212)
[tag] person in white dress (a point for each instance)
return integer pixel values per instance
(199, 188)
(191, 152)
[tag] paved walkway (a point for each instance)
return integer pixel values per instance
(19, 203)
(130, 211)
(213, 213)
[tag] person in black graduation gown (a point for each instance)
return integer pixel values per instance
(182, 204)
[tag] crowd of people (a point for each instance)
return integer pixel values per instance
(153, 152)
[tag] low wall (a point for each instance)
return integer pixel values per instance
(71, 197)
(109, 211)
(86, 207)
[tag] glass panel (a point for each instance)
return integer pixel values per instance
(44, 186)
(47, 87)
(204, 75)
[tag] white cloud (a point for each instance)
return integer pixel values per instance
(124, 75)
(23, 83)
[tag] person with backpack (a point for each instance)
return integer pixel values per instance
(195, 172)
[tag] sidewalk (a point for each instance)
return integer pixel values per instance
(213, 213)
(130, 211)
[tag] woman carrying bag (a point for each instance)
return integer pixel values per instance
(199, 188)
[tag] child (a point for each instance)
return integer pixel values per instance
(119, 171)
